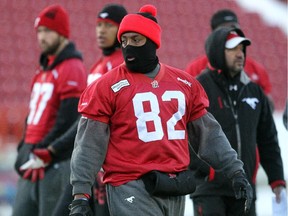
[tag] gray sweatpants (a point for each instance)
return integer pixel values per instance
(133, 199)
(40, 198)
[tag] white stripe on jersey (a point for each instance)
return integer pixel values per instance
(122, 83)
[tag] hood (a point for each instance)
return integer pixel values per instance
(215, 47)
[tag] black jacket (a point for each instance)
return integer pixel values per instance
(245, 118)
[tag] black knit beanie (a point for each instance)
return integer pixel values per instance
(113, 13)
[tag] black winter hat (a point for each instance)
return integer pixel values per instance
(113, 13)
(221, 17)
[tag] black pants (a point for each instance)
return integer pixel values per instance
(61, 208)
(220, 206)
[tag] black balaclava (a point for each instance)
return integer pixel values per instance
(145, 57)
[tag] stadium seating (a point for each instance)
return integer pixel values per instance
(185, 26)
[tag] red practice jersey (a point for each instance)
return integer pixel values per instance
(254, 70)
(105, 64)
(147, 120)
(66, 80)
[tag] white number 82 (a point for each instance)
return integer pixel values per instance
(153, 115)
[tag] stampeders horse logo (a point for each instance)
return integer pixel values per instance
(130, 199)
(251, 102)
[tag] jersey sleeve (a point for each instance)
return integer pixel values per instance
(95, 102)
(72, 79)
(199, 101)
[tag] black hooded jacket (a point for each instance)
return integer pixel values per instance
(245, 118)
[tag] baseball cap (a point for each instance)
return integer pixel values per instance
(233, 40)
(222, 17)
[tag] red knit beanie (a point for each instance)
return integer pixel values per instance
(142, 24)
(55, 18)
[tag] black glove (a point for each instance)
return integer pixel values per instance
(80, 207)
(24, 151)
(242, 189)
(162, 184)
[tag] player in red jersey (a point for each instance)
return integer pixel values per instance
(253, 69)
(55, 92)
(136, 123)
(108, 21)
(107, 24)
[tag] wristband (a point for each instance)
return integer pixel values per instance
(82, 198)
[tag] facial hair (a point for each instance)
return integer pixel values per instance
(52, 49)
(236, 68)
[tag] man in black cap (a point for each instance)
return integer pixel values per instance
(255, 71)
(108, 21)
(107, 24)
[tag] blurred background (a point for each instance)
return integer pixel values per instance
(185, 26)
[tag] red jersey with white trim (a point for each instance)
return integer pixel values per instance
(147, 120)
(105, 64)
(67, 80)
(254, 70)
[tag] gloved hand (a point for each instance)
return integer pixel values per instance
(34, 174)
(24, 152)
(100, 189)
(44, 154)
(33, 168)
(80, 207)
(242, 189)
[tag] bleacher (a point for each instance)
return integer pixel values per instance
(185, 26)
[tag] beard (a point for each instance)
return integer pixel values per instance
(51, 49)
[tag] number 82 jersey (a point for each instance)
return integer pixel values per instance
(147, 119)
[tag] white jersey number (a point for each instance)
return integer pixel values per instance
(153, 115)
(41, 93)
